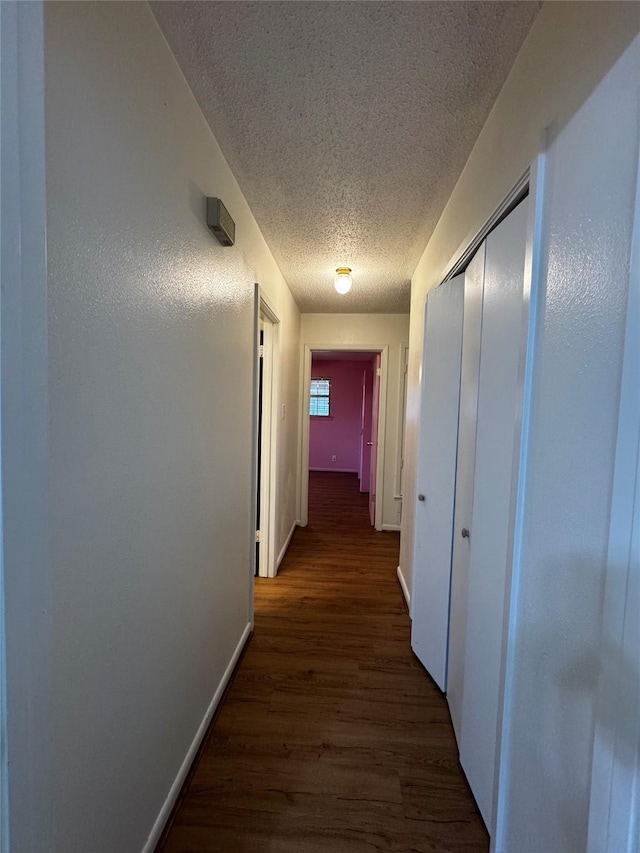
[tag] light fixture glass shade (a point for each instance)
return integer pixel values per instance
(343, 280)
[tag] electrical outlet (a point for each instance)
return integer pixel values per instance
(333, 458)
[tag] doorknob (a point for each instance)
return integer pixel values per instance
(465, 533)
(420, 497)
(369, 443)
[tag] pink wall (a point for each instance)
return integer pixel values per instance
(338, 435)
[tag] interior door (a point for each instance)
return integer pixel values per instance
(471, 328)
(363, 441)
(259, 482)
(367, 394)
(497, 421)
(442, 354)
(375, 409)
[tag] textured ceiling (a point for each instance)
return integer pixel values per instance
(346, 124)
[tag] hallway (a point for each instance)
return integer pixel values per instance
(332, 737)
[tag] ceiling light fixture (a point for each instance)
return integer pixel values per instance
(343, 280)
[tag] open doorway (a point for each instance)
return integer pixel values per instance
(342, 420)
(266, 427)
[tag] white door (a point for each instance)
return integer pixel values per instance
(497, 420)
(436, 477)
(473, 288)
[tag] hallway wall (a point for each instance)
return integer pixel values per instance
(151, 361)
(368, 332)
(578, 76)
(561, 646)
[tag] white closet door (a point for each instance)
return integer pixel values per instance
(498, 395)
(436, 477)
(471, 328)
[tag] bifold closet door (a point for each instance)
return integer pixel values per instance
(497, 421)
(436, 477)
(471, 328)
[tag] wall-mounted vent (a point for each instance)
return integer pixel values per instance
(220, 222)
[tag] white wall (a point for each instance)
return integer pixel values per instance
(558, 648)
(569, 49)
(555, 656)
(369, 332)
(151, 359)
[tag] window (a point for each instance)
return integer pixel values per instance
(320, 398)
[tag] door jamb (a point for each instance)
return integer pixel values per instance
(25, 576)
(270, 433)
(402, 418)
(533, 284)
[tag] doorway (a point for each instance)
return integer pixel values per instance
(266, 435)
(343, 421)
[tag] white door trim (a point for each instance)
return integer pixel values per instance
(303, 484)
(474, 240)
(270, 434)
(271, 423)
(402, 414)
(533, 284)
(26, 792)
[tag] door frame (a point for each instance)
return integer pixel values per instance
(532, 294)
(269, 430)
(376, 396)
(26, 820)
(305, 421)
(402, 418)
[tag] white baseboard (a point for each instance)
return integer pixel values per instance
(337, 470)
(286, 544)
(394, 527)
(165, 811)
(404, 588)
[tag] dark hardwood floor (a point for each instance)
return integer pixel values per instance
(332, 737)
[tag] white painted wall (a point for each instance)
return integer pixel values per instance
(555, 656)
(150, 429)
(371, 331)
(558, 649)
(569, 49)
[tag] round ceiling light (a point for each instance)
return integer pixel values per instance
(343, 280)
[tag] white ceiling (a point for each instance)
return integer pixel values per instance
(346, 124)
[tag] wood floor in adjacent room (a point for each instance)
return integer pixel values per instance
(332, 738)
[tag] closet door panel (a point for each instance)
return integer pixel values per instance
(436, 477)
(472, 325)
(501, 340)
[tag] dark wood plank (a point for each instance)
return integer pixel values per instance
(332, 736)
